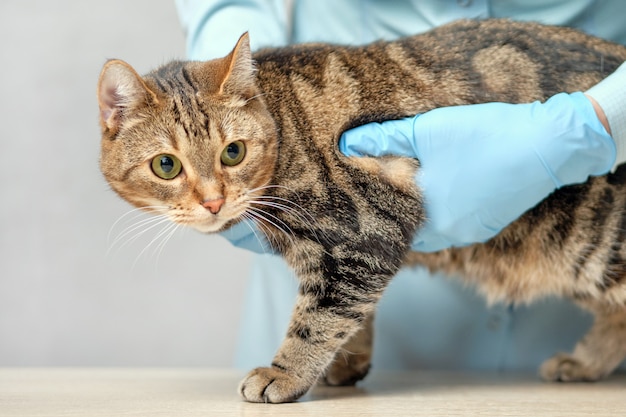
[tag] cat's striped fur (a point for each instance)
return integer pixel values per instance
(345, 224)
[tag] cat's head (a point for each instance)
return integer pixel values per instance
(192, 140)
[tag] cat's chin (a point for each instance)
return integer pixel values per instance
(214, 227)
(210, 228)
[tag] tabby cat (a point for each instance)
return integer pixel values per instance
(212, 143)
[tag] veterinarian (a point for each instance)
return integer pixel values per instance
(427, 321)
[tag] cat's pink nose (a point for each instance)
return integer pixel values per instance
(214, 205)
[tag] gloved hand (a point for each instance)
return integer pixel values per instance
(484, 165)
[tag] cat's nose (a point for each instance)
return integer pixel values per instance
(213, 205)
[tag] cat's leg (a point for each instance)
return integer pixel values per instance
(322, 322)
(314, 337)
(352, 361)
(601, 350)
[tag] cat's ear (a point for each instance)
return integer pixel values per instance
(238, 71)
(120, 88)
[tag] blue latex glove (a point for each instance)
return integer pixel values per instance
(484, 165)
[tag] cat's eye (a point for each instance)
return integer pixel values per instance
(233, 153)
(166, 166)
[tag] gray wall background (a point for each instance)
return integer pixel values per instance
(63, 299)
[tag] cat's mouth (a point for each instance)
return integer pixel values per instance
(212, 228)
(216, 223)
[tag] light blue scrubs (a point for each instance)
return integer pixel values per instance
(424, 321)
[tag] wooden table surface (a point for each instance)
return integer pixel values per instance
(136, 392)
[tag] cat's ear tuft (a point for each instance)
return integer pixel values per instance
(120, 88)
(238, 77)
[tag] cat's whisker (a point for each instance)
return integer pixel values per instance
(161, 246)
(151, 222)
(271, 236)
(268, 230)
(259, 221)
(277, 219)
(286, 209)
(247, 220)
(267, 217)
(305, 218)
(258, 213)
(296, 206)
(279, 206)
(260, 217)
(140, 230)
(135, 225)
(257, 96)
(168, 228)
(141, 210)
(252, 193)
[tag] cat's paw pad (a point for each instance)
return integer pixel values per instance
(347, 369)
(271, 385)
(565, 368)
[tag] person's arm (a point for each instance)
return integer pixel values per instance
(213, 27)
(484, 165)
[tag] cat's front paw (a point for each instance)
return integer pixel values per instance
(566, 368)
(272, 385)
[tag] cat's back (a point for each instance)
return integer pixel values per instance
(504, 60)
(486, 60)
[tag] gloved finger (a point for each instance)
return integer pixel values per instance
(393, 137)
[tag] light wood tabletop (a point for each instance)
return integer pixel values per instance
(135, 392)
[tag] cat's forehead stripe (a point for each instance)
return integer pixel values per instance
(187, 77)
(175, 81)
